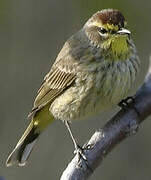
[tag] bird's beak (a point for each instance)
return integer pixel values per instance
(123, 31)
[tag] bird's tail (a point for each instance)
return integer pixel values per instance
(24, 147)
(21, 152)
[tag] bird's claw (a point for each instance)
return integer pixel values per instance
(127, 102)
(79, 151)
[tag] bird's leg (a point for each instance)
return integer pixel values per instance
(78, 149)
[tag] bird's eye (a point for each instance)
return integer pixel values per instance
(102, 30)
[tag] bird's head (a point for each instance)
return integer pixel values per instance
(107, 30)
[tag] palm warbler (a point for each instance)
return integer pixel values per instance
(94, 71)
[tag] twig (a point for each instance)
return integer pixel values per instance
(123, 124)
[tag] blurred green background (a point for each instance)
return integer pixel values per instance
(31, 34)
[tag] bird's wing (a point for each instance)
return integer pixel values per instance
(61, 75)
(55, 82)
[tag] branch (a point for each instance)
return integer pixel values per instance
(123, 124)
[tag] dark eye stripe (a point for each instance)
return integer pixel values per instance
(113, 32)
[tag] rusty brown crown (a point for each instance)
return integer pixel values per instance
(109, 16)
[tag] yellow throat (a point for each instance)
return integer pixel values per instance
(117, 47)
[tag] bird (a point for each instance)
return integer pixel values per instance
(95, 69)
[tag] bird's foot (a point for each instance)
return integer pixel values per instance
(82, 159)
(80, 153)
(127, 102)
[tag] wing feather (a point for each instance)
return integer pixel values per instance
(55, 82)
(60, 77)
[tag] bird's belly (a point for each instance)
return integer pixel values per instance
(75, 105)
(96, 93)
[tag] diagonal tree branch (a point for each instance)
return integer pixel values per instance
(123, 124)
